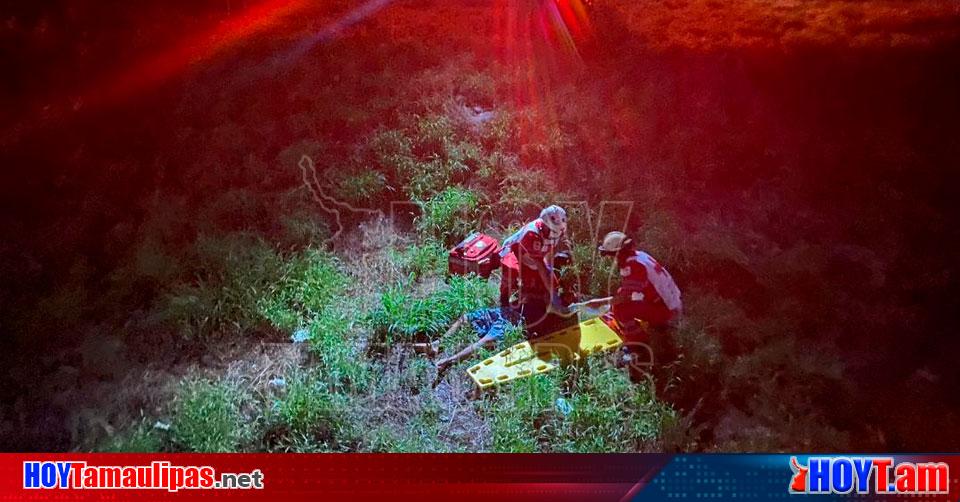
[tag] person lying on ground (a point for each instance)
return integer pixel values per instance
(491, 324)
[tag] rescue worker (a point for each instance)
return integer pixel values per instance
(527, 257)
(645, 305)
(647, 291)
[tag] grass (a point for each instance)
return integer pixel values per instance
(404, 317)
(341, 400)
(313, 417)
(361, 188)
(241, 282)
(450, 215)
(594, 275)
(426, 258)
(672, 136)
(357, 325)
(307, 285)
(142, 437)
(333, 340)
(591, 408)
(209, 419)
(232, 274)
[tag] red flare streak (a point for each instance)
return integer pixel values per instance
(194, 49)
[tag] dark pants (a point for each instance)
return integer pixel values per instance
(653, 313)
(538, 322)
(509, 282)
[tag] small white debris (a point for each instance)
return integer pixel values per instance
(301, 335)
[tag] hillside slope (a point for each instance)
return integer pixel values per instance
(790, 163)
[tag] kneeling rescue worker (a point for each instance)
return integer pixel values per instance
(529, 254)
(647, 291)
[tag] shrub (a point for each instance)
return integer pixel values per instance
(361, 189)
(208, 417)
(140, 438)
(450, 215)
(608, 413)
(403, 317)
(307, 284)
(308, 409)
(427, 258)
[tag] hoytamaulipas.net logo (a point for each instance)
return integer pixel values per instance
(873, 475)
(156, 476)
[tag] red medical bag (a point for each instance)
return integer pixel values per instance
(478, 253)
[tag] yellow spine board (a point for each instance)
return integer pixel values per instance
(545, 353)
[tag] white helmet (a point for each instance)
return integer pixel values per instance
(555, 218)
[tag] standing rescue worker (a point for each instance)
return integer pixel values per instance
(647, 291)
(527, 256)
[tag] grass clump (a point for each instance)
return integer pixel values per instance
(312, 416)
(403, 317)
(139, 438)
(332, 340)
(308, 284)
(522, 416)
(591, 408)
(427, 258)
(449, 215)
(593, 275)
(244, 283)
(232, 274)
(208, 418)
(612, 414)
(361, 188)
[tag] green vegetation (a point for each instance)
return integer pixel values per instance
(359, 189)
(209, 417)
(243, 283)
(592, 408)
(427, 258)
(310, 417)
(404, 317)
(450, 215)
(215, 270)
(354, 306)
(140, 438)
